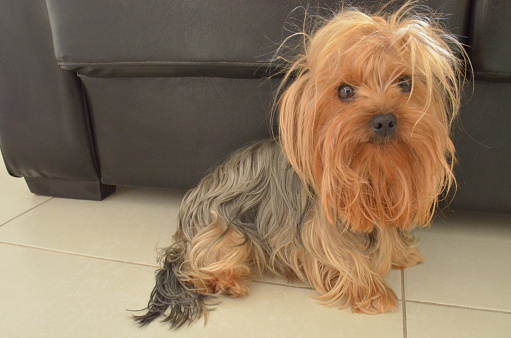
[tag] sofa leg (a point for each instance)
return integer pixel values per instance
(82, 190)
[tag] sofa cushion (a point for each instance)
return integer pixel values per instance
(490, 48)
(171, 38)
(110, 38)
(168, 131)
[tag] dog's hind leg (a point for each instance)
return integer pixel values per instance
(217, 245)
(218, 261)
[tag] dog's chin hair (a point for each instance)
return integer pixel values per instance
(385, 184)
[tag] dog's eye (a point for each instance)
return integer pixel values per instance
(405, 83)
(345, 92)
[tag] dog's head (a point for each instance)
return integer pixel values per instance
(366, 121)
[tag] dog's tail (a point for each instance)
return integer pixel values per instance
(186, 305)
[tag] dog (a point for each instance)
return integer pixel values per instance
(362, 157)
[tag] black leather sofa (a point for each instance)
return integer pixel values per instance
(100, 93)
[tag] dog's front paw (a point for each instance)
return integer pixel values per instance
(381, 301)
(412, 258)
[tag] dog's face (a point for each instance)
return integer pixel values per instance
(366, 121)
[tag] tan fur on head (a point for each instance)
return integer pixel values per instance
(359, 181)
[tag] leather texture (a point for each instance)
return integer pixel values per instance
(237, 70)
(483, 144)
(490, 50)
(108, 38)
(44, 128)
(168, 132)
(167, 32)
(75, 189)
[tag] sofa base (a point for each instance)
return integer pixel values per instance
(83, 190)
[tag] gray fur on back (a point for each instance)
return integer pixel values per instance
(255, 191)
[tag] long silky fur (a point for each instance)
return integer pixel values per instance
(171, 293)
(257, 193)
(326, 203)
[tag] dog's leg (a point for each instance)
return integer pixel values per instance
(404, 260)
(342, 271)
(404, 254)
(366, 291)
(218, 261)
(412, 258)
(217, 222)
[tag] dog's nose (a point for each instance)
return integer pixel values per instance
(384, 124)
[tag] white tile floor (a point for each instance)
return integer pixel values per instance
(72, 268)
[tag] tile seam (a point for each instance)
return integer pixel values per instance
(403, 304)
(282, 284)
(25, 212)
(77, 254)
(255, 280)
(128, 262)
(460, 306)
(134, 263)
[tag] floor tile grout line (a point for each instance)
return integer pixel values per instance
(135, 263)
(305, 287)
(157, 267)
(128, 262)
(78, 254)
(403, 304)
(459, 306)
(26, 211)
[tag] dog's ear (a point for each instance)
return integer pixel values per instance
(434, 56)
(296, 123)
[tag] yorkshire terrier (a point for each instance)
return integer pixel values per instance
(363, 154)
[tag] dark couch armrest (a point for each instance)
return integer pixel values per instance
(44, 127)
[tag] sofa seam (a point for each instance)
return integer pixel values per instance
(77, 63)
(492, 73)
